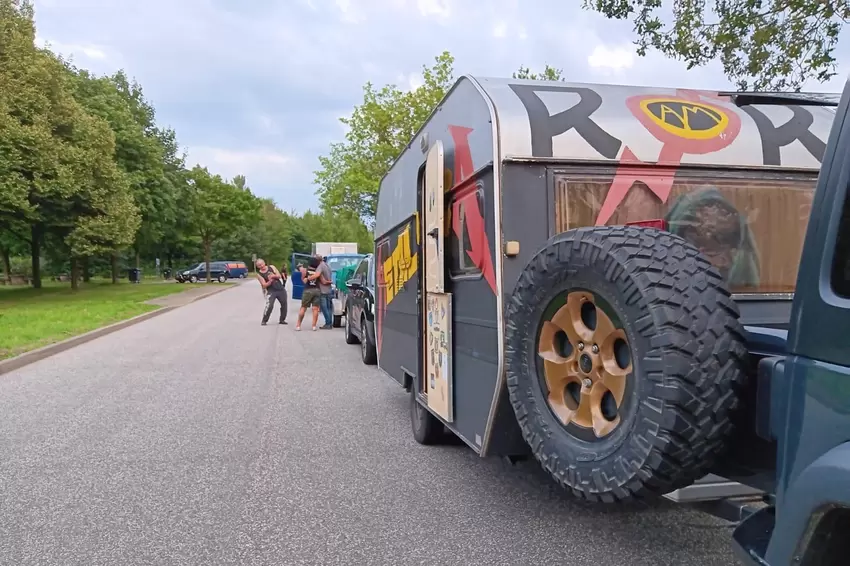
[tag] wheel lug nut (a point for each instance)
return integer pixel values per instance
(595, 349)
(581, 346)
(587, 382)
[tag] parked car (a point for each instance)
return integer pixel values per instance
(218, 272)
(236, 269)
(360, 310)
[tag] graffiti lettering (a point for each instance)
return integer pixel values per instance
(545, 126)
(797, 128)
(400, 266)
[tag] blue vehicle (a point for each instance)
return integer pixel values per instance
(802, 389)
(295, 275)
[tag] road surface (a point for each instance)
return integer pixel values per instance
(201, 438)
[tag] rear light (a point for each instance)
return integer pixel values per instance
(658, 224)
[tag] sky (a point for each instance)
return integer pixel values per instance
(257, 87)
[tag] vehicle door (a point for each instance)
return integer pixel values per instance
(369, 289)
(358, 294)
(810, 394)
(437, 304)
(295, 275)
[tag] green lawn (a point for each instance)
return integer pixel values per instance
(31, 318)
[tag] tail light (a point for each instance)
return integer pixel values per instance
(658, 224)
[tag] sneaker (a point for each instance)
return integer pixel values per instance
(315, 328)
(283, 322)
(263, 323)
(326, 327)
(298, 329)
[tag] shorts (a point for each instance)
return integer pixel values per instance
(310, 298)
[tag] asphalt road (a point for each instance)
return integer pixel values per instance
(199, 437)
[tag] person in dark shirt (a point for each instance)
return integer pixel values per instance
(274, 289)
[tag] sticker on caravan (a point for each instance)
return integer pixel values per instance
(691, 125)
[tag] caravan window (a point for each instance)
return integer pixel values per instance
(749, 224)
(459, 248)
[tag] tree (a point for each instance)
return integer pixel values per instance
(378, 130)
(56, 171)
(548, 74)
(766, 44)
(217, 208)
(139, 150)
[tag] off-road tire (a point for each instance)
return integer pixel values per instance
(427, 429)
(368, 349)
(349, 337)
(688, 357)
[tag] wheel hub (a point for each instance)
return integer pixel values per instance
(586, 362)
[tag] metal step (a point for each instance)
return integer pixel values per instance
(711, 488)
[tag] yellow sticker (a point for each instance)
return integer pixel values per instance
(684, 118)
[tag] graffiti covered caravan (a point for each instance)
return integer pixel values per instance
(555, 264)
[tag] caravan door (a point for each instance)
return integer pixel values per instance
(437, 304)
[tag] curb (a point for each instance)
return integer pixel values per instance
(39, 354)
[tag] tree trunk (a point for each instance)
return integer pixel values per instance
(7, 266)
(138, 261)
(85, 267)
(169, 259)
(114, 260)
(35, 254)
(208, 255)
(75, 273)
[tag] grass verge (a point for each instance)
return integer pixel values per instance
(32, 318)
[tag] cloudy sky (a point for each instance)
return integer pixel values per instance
(257, 87)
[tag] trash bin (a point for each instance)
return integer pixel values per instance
(135, 275)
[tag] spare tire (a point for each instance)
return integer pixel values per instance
(624, 361)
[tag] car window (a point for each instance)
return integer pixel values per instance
(361, 270)
(337, 263)
(370, 273)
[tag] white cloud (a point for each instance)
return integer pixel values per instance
(89, 51)
(439, 9)
(350, 14)
(275, 75)
(259, 165)
(411, 81)
(612, 58)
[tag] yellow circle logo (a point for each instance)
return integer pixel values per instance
(685, 118)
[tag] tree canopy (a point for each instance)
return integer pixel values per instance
(762, 45)
(379, 129)
(90, 182)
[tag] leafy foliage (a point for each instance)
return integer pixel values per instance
(87, 176)
(378, 130)
(548, 74)
(763, 45)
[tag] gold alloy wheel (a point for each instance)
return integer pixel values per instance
(587, 361)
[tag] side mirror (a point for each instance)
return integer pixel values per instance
(354, 283)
